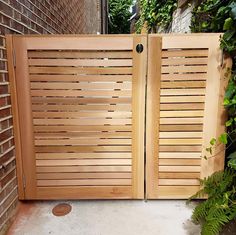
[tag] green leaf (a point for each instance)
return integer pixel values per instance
(213, 141)
(228, 23)
(223, 138)
(229, 122)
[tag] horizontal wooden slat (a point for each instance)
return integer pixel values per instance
(181, 120)
(184, 77)
(83, 169)
(84, 162)
(179, 175)
(184, 69)
(182, 106)
(177, 192)
(73, 70)
(79, 62)
(164, 155)
(85, 175)
(82, 141)
(179, 162)
(82, 85)
(90, 128)
(79, 54)
(81, 78)
(176, 148)
(182, 99)
(84, 182)
(180, 134)
(181, 92)
(179, 182)
(184, 61)
(82, 134)
(81, 100)
(180, 128)
(183, 84)
(184, 53)
(71, 93)
(117, 107)
(84, 192)
(80, 122)
(182, 113)
(81, 149)
(179, 168)
(180, 141)
(47, 156)
(82, 114)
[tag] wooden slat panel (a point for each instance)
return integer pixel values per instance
(48, 156)
(179, 175)
(83, 182)
(179, 182)
(117, 107)
(180, 162)
(73, 70)
(84, 192)
(83, 169)
(84, 162)
(82, 85)
(84, 175)
(88, 130)
(78, 62)
(81, 78)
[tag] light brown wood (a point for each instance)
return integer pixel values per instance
(25, 117)
(15, 114)
(138, 119)
(152, 115)
(83, 97)
(186, 89)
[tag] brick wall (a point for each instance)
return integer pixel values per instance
(32, 17)
(182, 18)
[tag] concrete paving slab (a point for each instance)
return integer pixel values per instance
(162, 217)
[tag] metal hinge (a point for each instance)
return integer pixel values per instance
(14, 58)
(24, 182)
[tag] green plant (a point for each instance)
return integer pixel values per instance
(119, 15)
(220, 16)
(220, 207)
(155, 13)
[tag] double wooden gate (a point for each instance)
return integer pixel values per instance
(79, 114)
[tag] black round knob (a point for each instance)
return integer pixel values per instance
(139, 48)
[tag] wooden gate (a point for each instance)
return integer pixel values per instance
(184, 111)
(79, 107)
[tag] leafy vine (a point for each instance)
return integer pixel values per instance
(220, 207)
(155, 15)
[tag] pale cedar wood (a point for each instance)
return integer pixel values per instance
(184, 111)
(15, 115)
(79, 110)
(81, 107)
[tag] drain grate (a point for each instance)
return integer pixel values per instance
(61, 209)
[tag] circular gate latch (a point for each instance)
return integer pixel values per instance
(139, 48)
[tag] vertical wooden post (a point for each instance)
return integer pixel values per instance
(214, 118)
(152, 115)
(138, 121)
(26, 131)
(15, 115)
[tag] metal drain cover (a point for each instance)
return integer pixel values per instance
(61, 209)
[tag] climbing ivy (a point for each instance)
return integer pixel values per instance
(220, 207)
(155, 14)
(119, 15)
(220, 16)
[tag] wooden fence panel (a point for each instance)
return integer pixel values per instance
(81, 103)
(184, 111)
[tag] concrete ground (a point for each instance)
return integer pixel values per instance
(106, 218)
